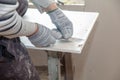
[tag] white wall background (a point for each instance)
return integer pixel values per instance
(103, 59)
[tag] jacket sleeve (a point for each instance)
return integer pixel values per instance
(11, 23)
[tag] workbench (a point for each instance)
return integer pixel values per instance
(83, 23)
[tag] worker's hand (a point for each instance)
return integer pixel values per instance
(43, 37)
(56, 33)
(42, 4)
(63, 24)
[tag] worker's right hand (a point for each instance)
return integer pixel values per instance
(43, 37)
(63, 24)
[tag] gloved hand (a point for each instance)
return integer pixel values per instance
(63, 24)
(40, 4)
(56, 34)
(43, 37)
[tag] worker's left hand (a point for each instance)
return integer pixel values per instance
(43, 37)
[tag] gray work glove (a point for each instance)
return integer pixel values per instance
(43, 37)
(40, 4)
(63, 24)
(56, 34)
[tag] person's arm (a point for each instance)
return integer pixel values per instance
(12, 26)
(42, 4)
(63, 24)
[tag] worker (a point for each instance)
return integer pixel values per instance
(15, 63)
